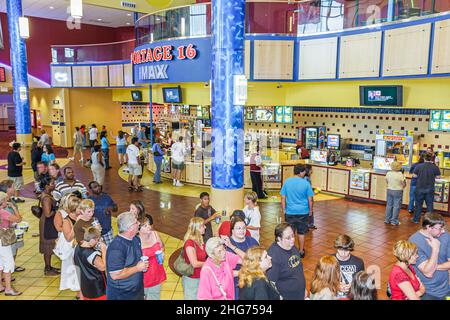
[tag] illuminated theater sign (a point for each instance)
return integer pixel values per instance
(172, 62)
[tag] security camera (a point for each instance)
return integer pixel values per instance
(206, 84)
(279, 86)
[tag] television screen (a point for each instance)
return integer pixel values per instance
(264, 115)
(381, 96)
(136, 95)
(172, 95)
(334, 141)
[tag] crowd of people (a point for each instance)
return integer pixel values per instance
(221, 258)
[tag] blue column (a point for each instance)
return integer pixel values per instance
(228, 20)
(19, 69)
(150, 93)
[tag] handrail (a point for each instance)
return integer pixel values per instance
(174, 8)
(91, 44)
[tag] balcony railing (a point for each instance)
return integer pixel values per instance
(285, 17)
(87, 53)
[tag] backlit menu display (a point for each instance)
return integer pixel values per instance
(439, 120)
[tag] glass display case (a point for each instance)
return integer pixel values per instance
(360, 180)
(441, 191)
(272, 172)
(401, 147)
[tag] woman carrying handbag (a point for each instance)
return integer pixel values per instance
(47, 231)
(7, 238)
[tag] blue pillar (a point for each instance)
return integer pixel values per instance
(228, 20)
(19, 75)
(150, 94)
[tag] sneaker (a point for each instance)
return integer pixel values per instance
(302, 254)
(386, 222)
(179, 184)
(395, 224)
(413, 221)
(174, 182)
(312, 227)
(72, 158)
(410, 211)
(18, 200)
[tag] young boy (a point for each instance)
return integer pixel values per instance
(349, 264)
(205, 211)
(252, 214)
(85, 220)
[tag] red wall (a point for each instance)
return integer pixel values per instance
(46, 32)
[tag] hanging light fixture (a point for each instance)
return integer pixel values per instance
(24, 28)
(76, 9)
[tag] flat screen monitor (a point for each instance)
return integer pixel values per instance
(264, 115)
(172, 95)
(382, 163)
(136, 95)
(334, 141)
(319, 155)
(381, 96)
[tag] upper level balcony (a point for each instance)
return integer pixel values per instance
(292, 18)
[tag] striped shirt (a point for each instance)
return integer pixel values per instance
(64, 188)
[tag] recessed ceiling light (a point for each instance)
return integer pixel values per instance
(128, 23)
(51, 8)
(129, 14)
(99, 19)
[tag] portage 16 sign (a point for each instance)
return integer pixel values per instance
(174, 61)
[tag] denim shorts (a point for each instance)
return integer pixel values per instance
(121, 149)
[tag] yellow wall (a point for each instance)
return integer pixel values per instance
(88, 106)
(199, 94)
(42, 100)
(417, 93)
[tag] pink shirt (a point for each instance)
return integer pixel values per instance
(207, 289)
(4, 222)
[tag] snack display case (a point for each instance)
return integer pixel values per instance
(272, 172)
(441, 191)
(360, 180)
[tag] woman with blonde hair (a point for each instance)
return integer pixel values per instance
(403, 281)
(194, 253)
(253, 282)
(396, 182)
(325, 283)
(68, 213)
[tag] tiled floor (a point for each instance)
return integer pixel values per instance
(172, 208)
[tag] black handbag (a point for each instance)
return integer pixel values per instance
(50, 231)
(37, 210)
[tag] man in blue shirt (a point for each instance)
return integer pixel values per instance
(433, 265)
(142, 138)
(297, 203)
(124, 267)
(104, 206)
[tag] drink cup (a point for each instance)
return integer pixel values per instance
(159, 256)
(218, 220)
(144, 259)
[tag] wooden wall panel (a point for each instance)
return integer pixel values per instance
(128, 75)
(81, 76)
(441, 47)
(406, 50)
(100, 76)
(273, 59)
(318, 59)
(61, 77)
(116, 75)
(247, 59)
(360, 55)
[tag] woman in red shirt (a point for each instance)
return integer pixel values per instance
(151, 244)
(194, 253)
(403, 282)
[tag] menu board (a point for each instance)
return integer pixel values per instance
(283, 114)
(439, 120)
(333, 141)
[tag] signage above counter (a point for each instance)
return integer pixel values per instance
(174, 61)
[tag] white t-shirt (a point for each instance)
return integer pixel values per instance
(253, 218)
(178, 152)
(132, 153)
(93, 132)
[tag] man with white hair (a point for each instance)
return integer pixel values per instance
(124, 267)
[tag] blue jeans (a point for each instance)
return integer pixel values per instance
(393, 205)
(412, 198)
(422, 195)
(158, 162)
(105, 153)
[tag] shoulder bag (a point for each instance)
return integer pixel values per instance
(7, 236)
(37, 210)
(219, 285)
(182, 267)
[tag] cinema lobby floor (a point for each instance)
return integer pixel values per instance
(172, 208)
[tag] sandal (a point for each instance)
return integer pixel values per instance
(19, 269)
(2, 290)
(130, 189)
